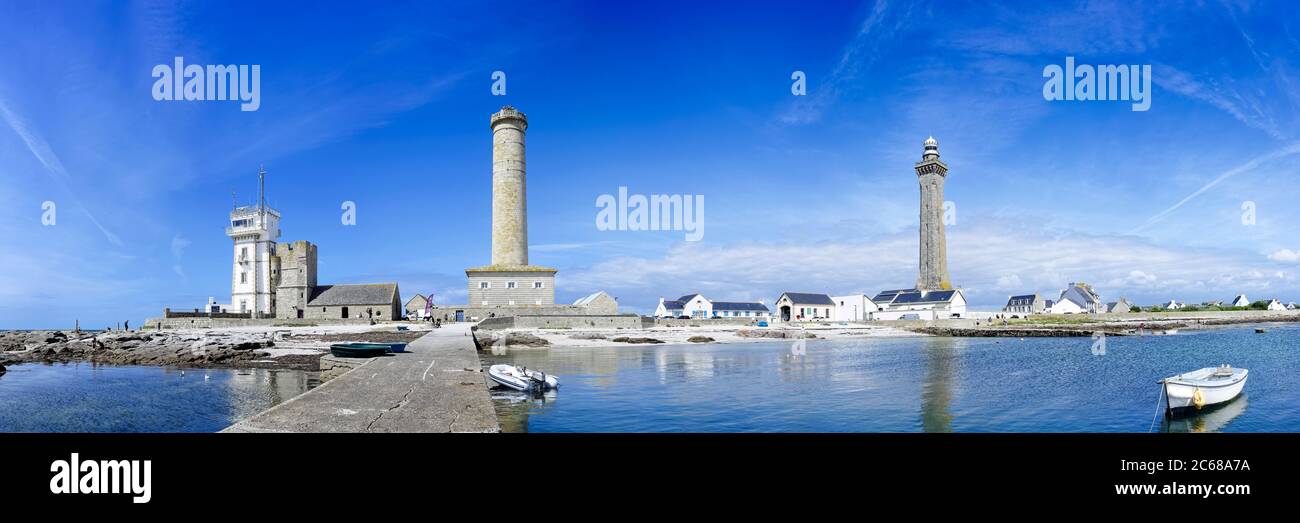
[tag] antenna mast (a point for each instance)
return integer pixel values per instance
(261, 189)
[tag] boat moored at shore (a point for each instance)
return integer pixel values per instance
(1201, 388)
(522, 379)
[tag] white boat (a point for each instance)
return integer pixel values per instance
(1201, 388)
(522, 379)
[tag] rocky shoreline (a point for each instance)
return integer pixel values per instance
(213, 348)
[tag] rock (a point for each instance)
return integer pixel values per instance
(700, 339)
(780, 334)
(625, 339)
(587, 336)
(2, 369)
(507, 339)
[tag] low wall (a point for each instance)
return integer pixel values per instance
(221, 323)
(447, 313)
(570, 321)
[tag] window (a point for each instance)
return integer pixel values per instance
(243, 305)
(243, 277)
(510, 285)
(482, 285)
(537, 285)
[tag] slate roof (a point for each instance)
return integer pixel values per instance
(738, 306)
(687, 297)
(673, 305)
(806, 298)
(362, 294)
(1024, 299)
(588, 298)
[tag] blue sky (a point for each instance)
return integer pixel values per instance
(389, 108)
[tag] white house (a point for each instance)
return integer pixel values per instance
(1079, 298)
(1172, 305)
(696, 306)
(854, 307)
(1275, 305)
(913, 304)
(1290, 306)
(804, 306)
(690, 305)
(1024, 304)
(1240, 301)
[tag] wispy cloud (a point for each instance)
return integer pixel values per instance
(1244, 108)
(878, 30)
(1249, 166)
(53, 166)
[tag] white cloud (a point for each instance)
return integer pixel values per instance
(1285, 256)
(988, 261)
(1011, 282)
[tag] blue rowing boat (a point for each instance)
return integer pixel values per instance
(360, 350)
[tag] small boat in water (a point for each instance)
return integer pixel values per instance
(522, 378)
(360, 350)
(1200, 388)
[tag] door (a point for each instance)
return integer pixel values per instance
(345, 312)
(300, 314)
(460, 315)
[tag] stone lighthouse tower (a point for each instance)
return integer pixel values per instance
(509, 282)
(509, 205)
(931, 173)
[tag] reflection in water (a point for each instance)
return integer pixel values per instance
(513, 406)
(930, 384)
(936, 395)
(79, 397)
(1212, 419)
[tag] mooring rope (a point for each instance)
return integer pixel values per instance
(1157, 413)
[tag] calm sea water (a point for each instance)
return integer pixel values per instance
(906, 385)
(81, 397)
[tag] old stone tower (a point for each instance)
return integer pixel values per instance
(509, 204)
(296, 270)
(510, 280)
(931, 173)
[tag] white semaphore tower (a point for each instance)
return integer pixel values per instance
(254, 229)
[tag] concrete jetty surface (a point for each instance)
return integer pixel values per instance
(437, 385)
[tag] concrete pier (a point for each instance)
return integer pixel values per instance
(437, 385)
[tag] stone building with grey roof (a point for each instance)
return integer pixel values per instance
(377, 301)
